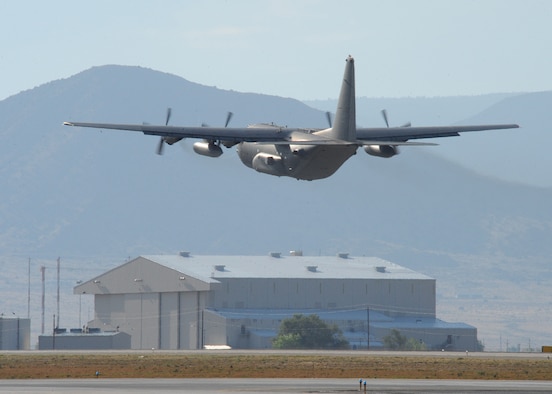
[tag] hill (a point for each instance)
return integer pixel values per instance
(88, 196)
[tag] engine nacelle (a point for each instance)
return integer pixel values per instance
(268, 164)
(171, 140)
(206, 148)
(382, 150)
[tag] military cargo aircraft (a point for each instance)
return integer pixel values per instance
(300, 153)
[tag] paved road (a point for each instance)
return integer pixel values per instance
(252, 386)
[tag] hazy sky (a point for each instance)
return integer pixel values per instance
(290, 48)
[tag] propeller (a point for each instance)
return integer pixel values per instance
(162, 140)
(329, 118)
(160, 146)
(228, 117)
(169, 113)
(385, 118)
(384, 114)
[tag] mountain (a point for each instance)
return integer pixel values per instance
(87, 195)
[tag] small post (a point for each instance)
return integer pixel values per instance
(367, 328)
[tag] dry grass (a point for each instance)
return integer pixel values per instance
(174, 365)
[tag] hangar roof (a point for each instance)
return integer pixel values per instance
(278, 266)
(202, 271)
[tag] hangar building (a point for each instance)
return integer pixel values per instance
(195, 302)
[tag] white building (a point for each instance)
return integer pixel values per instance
(192, 302)
(77, 339)
(15, 333)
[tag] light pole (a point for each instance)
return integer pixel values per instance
(80, 304)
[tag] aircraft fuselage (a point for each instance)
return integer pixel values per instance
(307, 162)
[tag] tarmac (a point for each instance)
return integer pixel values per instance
(250, 386)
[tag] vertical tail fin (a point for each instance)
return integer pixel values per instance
(344, 126)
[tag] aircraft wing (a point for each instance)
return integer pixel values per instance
(402, 134)
(279, 135)
(251, 134)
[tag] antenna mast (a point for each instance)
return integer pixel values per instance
(43, 270)
(58, 262)
(29, 290)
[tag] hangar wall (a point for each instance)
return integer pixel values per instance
(154, 320)
(396, 296)
(178, 302)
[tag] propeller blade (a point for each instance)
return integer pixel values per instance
(407, 124)
(384, 114)
(228, 117)
(329, 118)
(169, 112)
(160, 146)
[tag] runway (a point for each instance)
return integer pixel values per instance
(252, 386)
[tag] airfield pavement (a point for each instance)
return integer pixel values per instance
(250, 386)
(273, 371)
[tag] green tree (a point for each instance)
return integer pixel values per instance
(414, 344)
(396, 341)
(309, 332)
(287, 341)
(479, 346)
